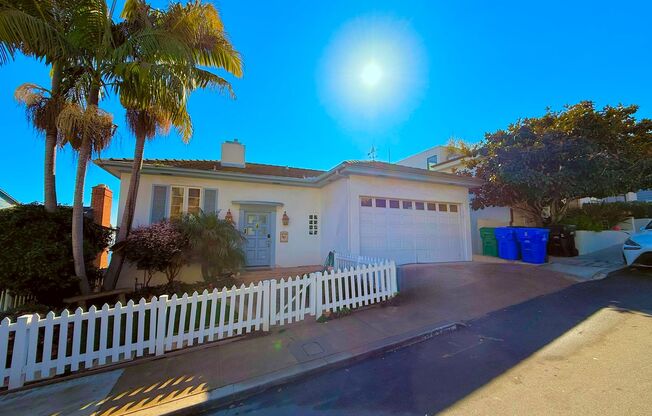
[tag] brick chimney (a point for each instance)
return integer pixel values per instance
(101, 200)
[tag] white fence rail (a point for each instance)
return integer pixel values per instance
(345, 260)
(35, 348)
(9, 301)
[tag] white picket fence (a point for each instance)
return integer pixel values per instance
(346, 260)
(35, 348)
(9, 301)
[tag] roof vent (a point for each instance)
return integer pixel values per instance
(233, 154)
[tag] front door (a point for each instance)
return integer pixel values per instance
(258, 245)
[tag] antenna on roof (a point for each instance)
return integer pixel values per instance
(372, 153)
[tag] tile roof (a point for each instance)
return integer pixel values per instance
(216, 165)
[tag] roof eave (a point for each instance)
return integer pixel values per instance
(428, 176)
(116, 167)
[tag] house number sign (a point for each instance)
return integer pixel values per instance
(284, 236)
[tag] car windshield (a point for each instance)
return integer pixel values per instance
(649, 226)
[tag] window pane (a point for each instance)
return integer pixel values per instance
(419, 206)
(443, 208)
(194, 196)
(431, 161)
(393, 203)
(407, 204)
(176, 202)
(453, 208)
(381, 203)
(365, 202)
(432, 206)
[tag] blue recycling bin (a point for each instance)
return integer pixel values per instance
(507, 244)
(534, 244)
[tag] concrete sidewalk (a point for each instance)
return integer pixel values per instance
(591, 266)
(431, 296)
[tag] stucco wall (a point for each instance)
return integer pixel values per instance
(488, 217)
(335, 217)
(299, 202)
(420, 159)
(395, 188)
(590, 241)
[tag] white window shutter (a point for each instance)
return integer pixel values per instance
(159, 203)
(210, 201)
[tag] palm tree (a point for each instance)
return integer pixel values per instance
(155, 91)
(40, 28)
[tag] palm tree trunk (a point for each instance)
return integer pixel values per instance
(78, 217)
(50, 197)
(117, 257)
(78, 202)
(49, 177)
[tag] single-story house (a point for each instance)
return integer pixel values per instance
(6, 200)
(361, 207)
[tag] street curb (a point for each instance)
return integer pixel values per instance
(237, 391)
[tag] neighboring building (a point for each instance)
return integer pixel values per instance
(369, 208)
(6, 201)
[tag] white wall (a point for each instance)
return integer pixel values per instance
(487, 217)
(420, 159)
(335, 217)
(299, 202)
(396, 188)
(590, 241)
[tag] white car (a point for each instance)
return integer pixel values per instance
(637, 249)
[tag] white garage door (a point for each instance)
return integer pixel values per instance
(408, 231)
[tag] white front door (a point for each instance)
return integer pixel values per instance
(410, 231)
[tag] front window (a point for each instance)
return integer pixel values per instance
(184, 200)
(431, 162)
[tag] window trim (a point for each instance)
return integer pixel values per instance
(186, 197)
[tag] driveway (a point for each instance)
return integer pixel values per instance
(579, 350)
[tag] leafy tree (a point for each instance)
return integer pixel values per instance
(36, 255)
(540, 165)
(155, 92)
(159, 247)
(214, 243)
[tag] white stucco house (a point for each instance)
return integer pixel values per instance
(378, 209)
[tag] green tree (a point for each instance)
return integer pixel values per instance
(155, 92)
(540, 165)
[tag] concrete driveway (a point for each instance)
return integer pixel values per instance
(467, 290)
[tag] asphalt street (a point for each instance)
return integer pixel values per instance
(584, 349)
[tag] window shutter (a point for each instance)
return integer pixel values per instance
(159, 203)
(210, 201)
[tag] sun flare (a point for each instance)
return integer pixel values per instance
(371, 74)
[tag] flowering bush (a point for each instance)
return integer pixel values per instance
(159, 247)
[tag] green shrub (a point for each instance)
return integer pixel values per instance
(215, 244)
(36, 256)
(605, 216)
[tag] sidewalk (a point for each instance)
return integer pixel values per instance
(431, 297)
(592, 266)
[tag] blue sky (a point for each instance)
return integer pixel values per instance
(459, 69)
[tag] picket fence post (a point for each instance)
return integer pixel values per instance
(312, 287)
(267, 296)
(19, 356)
(319, 296)
(159, 320)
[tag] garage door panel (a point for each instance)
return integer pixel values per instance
(411, 235)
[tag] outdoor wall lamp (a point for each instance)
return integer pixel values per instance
(285, 219)
(229, 216)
